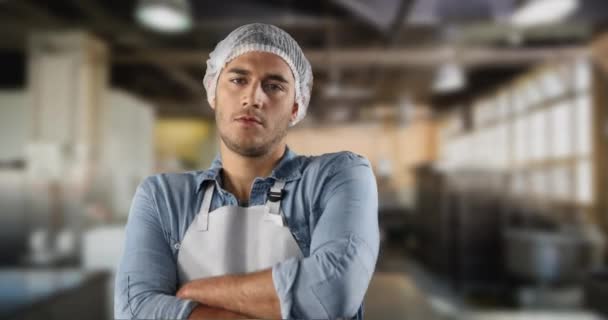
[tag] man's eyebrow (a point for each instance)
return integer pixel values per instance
(270, 76)
(277, 77)
(240, 71)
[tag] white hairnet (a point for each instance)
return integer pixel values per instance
(266, 38)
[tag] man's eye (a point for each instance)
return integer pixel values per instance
(238, 81)
(274, 87)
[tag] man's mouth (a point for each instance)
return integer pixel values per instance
(249, 120)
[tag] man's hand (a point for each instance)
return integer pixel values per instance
(251, 294)
(205, 312)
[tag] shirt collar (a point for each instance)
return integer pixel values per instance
(287, 169)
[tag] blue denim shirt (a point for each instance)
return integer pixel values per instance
(331, 208)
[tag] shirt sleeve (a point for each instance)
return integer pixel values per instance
(331, 282)
(146, 280)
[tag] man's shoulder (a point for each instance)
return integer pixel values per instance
(341, 158)
(170, 182)
(329, 163)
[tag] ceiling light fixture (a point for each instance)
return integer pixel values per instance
(450, 77)
(171, 16)
(540, 12)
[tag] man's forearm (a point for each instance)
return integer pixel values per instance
(250, 294)
(206, 312)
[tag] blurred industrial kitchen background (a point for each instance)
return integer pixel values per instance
(486, 122)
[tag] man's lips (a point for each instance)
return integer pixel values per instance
(249, 120)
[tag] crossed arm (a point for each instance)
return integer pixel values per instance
(249, 295)
(329, 283)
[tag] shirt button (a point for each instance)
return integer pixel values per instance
(177, 246)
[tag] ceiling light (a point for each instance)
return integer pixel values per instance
(164, 15)
(539, 12)
(450, 77)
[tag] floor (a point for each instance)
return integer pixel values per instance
(402, 289)
(393, 295)
(396, 292)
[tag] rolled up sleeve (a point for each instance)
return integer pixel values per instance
(146, 279)
(331, 282)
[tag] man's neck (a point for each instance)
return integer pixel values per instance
(239, 172)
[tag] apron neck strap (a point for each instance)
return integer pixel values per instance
(273, 203)
(275, 195)
(203, 214)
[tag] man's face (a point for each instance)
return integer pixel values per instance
(254, 103)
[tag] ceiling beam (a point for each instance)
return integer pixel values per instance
(184, 79)
(282, 21)
(123, 32)
(380, 57)
(99, 16)
(378, 14)
(380, 75)
(35, 13)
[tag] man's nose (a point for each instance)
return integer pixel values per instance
(253, 96)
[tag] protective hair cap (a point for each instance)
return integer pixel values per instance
(265, 38)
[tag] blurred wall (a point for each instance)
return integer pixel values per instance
(184, 144)
(127, 148)
(15, 113)
(398, 147)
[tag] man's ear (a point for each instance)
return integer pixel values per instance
(294, 111)
(212, 103)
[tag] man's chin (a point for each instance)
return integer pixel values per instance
(250, 150)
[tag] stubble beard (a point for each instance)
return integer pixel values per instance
(254, 150)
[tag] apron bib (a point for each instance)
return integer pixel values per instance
(233, 239)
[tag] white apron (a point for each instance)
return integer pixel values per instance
(233, 239)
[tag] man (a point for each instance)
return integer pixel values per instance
(263, 233)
